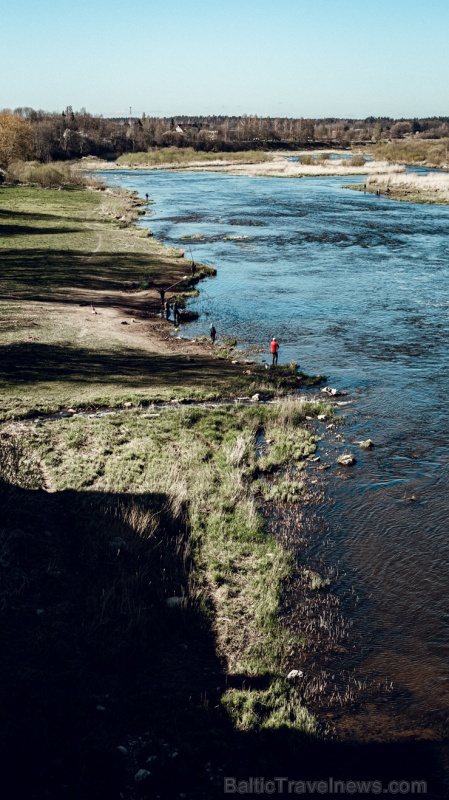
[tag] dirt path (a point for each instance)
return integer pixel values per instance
(127, 319)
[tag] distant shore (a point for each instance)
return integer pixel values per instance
(276, 165)
(382, 177)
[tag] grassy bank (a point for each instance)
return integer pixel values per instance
(141, 593)
(430, 188)
(177, 156)
(65, 253)
(141, 600)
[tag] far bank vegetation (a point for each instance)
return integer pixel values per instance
(28, 133)
(169, 156)
(429, 152)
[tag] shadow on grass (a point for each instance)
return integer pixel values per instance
(28, 230)
(94, 654)
(95, 659)
(24, 216)
(33, 363)
(42, 274)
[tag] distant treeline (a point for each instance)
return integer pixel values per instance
(73, 134)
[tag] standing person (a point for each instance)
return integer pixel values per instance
(274, 347)
(213, 334)
(176, 313)
(193, 268)
(167, 309)
(146, 196)
(162, 294)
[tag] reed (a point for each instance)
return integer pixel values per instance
(430, 188)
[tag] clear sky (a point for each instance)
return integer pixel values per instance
(299, 58)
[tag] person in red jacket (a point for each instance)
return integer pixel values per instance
(274, 351)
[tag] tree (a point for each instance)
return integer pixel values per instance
(377, 133)
(400, 129)
(16, 138)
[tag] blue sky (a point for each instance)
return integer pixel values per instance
(316, 58)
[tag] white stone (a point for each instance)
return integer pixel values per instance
(295, 673)
(346, 460)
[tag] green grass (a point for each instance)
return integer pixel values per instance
(202, 460)
(57, 244)
(107, 517)
(142, 508)
(63, 249)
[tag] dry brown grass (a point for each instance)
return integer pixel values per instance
(433, 187)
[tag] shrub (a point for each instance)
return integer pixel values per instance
(356, 161)
(49, 176)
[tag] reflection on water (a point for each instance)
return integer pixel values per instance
(355, 287)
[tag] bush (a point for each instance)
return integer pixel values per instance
(356, 161)
(48, 176)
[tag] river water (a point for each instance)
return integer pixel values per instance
(354, 287)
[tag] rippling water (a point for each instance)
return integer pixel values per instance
(355, 287)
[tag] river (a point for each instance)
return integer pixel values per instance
(354, 287)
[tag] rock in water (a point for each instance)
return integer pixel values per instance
(346, 460)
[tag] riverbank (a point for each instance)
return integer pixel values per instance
(79, 311)
(278, 164)
(142, 592)
(412, 188)
(136, 687)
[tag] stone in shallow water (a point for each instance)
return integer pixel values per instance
(330, 391)
(346, 460)
(367, 444)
